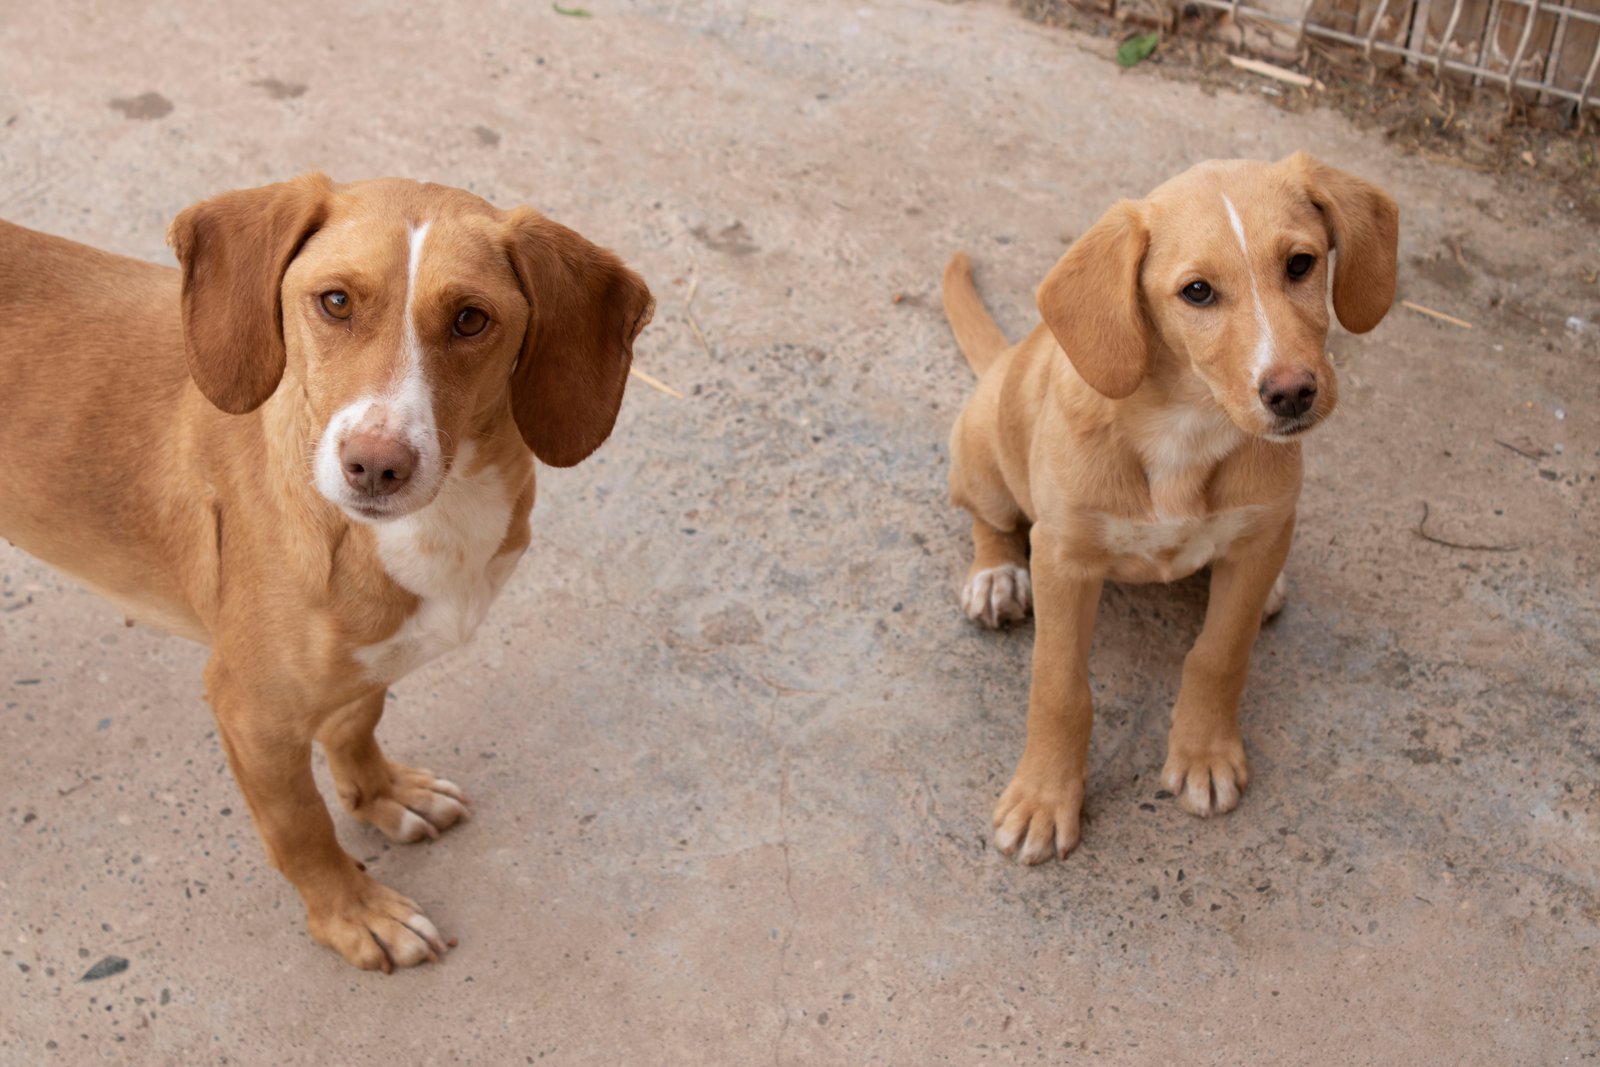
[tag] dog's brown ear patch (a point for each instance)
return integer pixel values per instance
(585, 309)
(234, 250)
(1364, 225)
(1090, 301)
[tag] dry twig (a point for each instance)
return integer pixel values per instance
(1423, 533)
(1521, 451)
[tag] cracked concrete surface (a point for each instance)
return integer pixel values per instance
(732, 743)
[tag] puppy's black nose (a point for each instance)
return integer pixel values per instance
(1289, 393)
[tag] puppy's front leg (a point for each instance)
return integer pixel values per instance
(1206, 768)
(367, 923)
(1040, 810)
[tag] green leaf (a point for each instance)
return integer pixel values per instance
(571, 12)
(1136, 48)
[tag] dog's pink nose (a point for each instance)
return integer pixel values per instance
(376, 464)
(1289, 393)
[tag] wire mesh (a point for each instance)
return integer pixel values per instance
(1549, 51)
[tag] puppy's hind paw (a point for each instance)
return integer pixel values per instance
(998, 595)
(1276, 598)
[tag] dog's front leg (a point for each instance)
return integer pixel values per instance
(1206, 768)
(1040, 810)
(269, 749)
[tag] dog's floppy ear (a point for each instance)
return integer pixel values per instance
(234, 249)
(1090, 301)
(584, 310)
(1364, 224)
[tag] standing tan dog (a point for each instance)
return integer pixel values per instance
(1148, 427)
(310, 449)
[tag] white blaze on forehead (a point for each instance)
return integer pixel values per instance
(402, 408)
(1238, 226)
(418, 234)
(412, 398)
(1264, 343)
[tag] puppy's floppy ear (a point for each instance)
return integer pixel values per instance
(1364, 224)
(1090, 301)
(584, 310)
(234, 249)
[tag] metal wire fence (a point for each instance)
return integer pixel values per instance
(1543, 52)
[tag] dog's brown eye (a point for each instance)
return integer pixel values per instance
(1198, 293)
(336, 304)
(470, 322)
(1300, 264)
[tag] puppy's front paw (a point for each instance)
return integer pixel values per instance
(998, 594)
(412, 806)
(1038, 814)
(1207, 776)
(375, 928)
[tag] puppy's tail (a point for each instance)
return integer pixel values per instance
(976, 333)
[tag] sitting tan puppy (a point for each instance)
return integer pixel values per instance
(1151, 426)
(310, 448)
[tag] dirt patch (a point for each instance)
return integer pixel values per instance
(280, 90)
(1539, 155)
(149, 105)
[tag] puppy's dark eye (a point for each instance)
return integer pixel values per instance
(1300, 265)
(470, 322)
(337, 304)
(1198, 293)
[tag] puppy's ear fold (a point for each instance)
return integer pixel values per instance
(233, 250)
(1090, 301)
(1364, 225)
(584, 310)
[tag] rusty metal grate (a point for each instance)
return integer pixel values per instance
(1549, 51)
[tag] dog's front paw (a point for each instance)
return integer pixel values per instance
(1207, 776)
(1039, 814)
(375, 928)
(998, 594)
(413, 806)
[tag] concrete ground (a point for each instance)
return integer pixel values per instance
(732, 743)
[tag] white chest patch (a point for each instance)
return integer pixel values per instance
(446, 555)
(1174, 548)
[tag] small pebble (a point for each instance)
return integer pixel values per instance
(105, 969)
(1561, 414)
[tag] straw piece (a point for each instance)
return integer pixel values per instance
(654, 383)
(1269, 70)
(1432, 314)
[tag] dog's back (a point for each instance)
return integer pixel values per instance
(91, 361)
